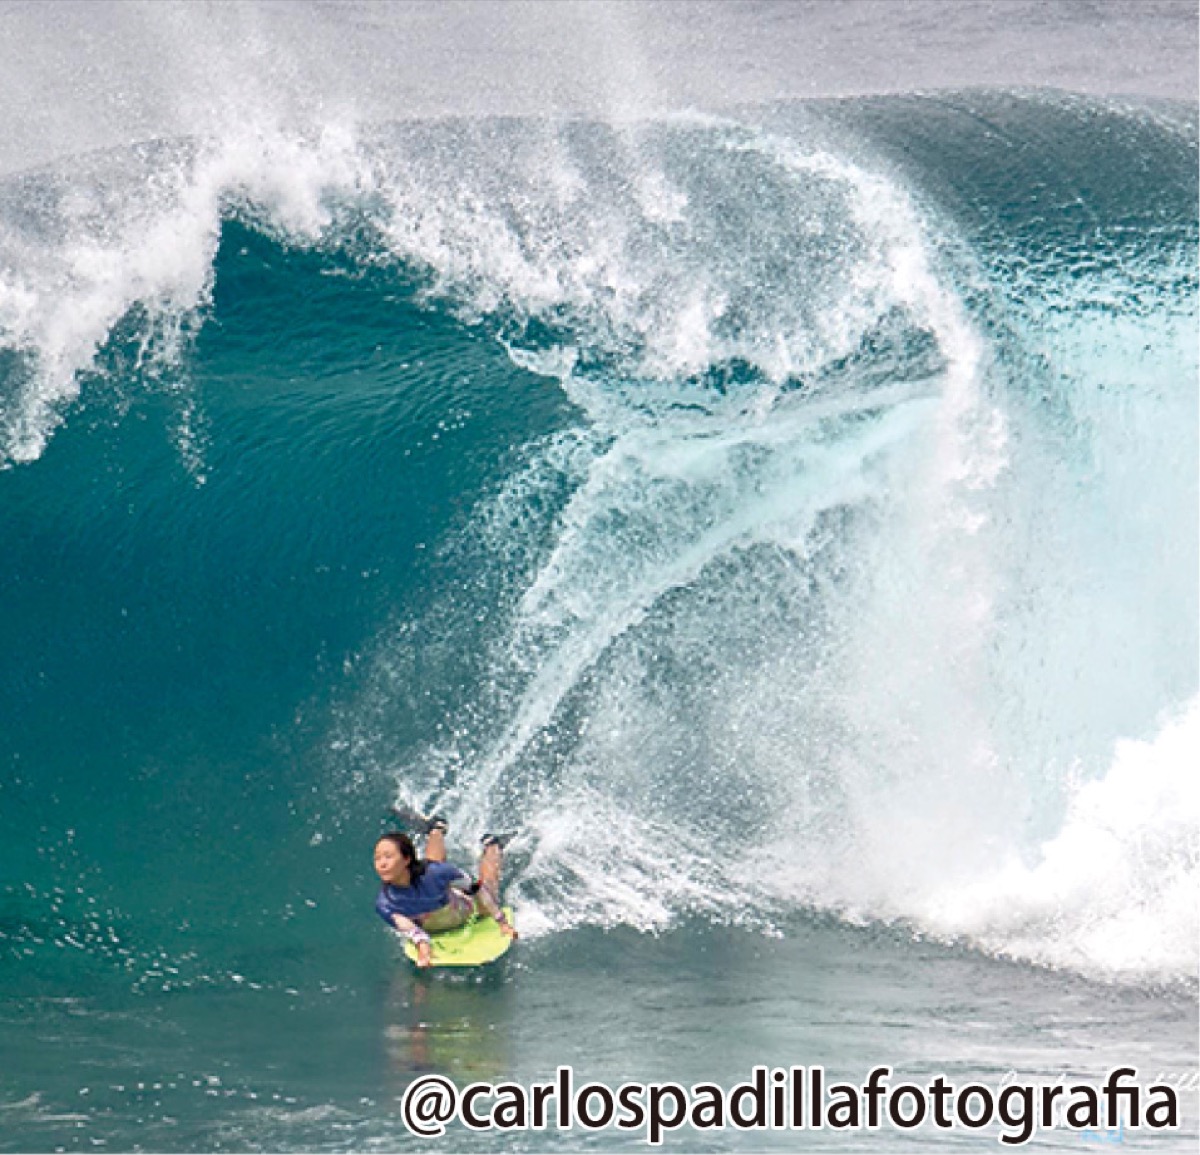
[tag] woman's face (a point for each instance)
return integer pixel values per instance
(390, 864)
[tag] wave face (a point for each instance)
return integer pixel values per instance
(764, 513)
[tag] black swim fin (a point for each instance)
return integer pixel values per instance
(417, 823)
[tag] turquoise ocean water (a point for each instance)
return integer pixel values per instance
(782, 515)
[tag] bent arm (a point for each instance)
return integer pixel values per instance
(418, 936)
(411, 930)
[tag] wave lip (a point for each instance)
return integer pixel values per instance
(123, 246)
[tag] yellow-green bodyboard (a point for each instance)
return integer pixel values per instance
(474, 943)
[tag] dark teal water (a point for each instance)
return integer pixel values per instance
(324, 1067)
(784, 523)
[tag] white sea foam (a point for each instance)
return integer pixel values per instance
(1115, 891)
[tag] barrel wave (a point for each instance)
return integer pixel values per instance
(777, 516)
(783, 524)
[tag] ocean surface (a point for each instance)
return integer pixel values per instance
(747, 452)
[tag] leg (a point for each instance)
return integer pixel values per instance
(491, 862)
(435, 845)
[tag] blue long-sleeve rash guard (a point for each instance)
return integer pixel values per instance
(428, 893)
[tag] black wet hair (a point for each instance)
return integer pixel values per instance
(404, 844)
